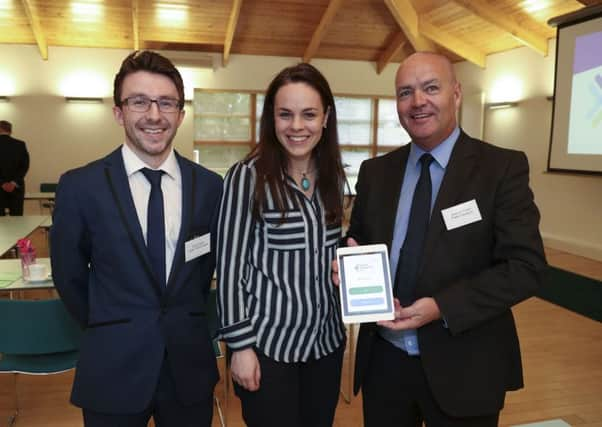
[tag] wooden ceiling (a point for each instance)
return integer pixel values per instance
(382, 31)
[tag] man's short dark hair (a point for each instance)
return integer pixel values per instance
(152, 62)
(6, 126)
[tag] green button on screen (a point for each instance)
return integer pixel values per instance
(366, 290)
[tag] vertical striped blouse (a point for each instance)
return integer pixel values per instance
(275, 290)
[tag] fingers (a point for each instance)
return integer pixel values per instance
(257, 377)
(245, 369)
(335, 265)
(335, 272)
(399, 324)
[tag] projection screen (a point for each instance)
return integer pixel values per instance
(576, 138)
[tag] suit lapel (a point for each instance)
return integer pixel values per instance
(120, 189)
(188, 191)
(458, 171)
(392, 190)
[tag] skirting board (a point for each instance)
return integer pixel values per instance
(576, 247)
(550, 423)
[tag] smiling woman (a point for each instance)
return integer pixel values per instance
(280, 222)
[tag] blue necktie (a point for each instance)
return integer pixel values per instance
(411, 251)
(155, 225)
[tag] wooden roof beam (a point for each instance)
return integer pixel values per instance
(320, 32)
(392, 49)
(452, 43)
(230, 30)
(490, 14)
(407, 18)
(36, 28)
(135, 25)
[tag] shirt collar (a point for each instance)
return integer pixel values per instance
(133, 163)
(441, 153)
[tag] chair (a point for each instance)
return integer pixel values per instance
(211, 310)
(48, 187)
(36, 338)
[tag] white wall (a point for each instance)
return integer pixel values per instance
(570, 204)
(61, 136)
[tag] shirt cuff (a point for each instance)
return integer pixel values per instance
(238, 336)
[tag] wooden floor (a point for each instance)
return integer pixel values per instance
(562, 356)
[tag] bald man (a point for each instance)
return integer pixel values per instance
(452, 351)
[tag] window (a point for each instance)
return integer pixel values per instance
(226, 128)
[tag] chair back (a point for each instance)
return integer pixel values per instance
(48, 187)
(37, 327)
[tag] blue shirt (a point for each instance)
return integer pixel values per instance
(408, 340)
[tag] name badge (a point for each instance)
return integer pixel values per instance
(461, 215)
(197, 247)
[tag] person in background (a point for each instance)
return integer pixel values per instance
(14, 164)
(279, 227)
(461, 225)
(133, 241)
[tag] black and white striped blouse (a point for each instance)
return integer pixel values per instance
(275, 290)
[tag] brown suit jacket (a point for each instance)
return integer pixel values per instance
(475, 272)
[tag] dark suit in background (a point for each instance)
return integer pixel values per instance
(468, 277)
(14, 164)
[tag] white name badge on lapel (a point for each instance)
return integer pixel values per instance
(197, 247)
(461, 215)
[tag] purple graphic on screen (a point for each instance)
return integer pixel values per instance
(587, 52)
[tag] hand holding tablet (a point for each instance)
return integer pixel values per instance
(365, 284)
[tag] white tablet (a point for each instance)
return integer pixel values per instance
(365, 284)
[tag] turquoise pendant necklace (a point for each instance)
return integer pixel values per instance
(305, 183)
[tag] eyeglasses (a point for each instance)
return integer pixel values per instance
(141, 104)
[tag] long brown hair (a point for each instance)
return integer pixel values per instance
(272, 161)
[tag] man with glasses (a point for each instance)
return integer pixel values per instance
(132, 258)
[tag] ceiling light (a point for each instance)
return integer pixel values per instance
(171, 14)
(6, 9)
(532, 6)
(87, 11)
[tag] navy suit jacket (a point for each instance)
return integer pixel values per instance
(102, 272)
(476, 273)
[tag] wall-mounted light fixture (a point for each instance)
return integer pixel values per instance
(4, 98)
(500, 105)
(84, 99)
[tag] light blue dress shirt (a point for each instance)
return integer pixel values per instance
(408, 340)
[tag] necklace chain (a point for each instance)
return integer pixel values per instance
(305, 181)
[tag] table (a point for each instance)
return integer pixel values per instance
(41, 197)
(13, 228)
(11, 270)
